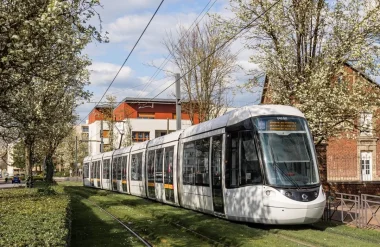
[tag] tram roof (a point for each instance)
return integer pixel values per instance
(97, 156)
(138, 146)
(239, 115)
(174, 136)
(87, 158)
(122, 150)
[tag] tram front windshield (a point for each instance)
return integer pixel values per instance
(288, 156)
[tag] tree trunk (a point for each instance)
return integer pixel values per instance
(28, 164)
(49, 168)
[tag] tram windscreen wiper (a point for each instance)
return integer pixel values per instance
(283, 173)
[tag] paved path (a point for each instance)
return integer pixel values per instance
(8, 185)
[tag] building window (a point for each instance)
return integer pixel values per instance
(140, 136)
(365, 124)
(145, 115)
(85, 129)
(106, 133)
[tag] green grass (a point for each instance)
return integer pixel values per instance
(158, 224)
(34, 217)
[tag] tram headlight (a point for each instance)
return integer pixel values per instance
(288, 194)
(315, 194)
(267, 192)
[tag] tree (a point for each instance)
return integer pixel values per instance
(204, 84)
(302, 45)
(46, 70)
(73, 148)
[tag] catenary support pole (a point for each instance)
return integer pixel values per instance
(178, 100)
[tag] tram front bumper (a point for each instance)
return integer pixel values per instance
(285, 216)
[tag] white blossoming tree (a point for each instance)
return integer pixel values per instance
(206, 67)
(302, 45)
(42, 70)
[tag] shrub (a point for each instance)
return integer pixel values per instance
(34, 217)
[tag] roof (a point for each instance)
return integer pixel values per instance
(148, 100)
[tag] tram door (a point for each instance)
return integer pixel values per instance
(168, 174)
(158, 177)
(216, 174)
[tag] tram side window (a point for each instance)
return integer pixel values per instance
(189, 163)
(168, 171)
(98, 169)
(243, 167)
(91, 170)
(136, 167)
(124, 167)
(114, 165)
(250, 172)
(86, 170)
(106, 168)
(196, 162)
(158, 165)
(119, 164)
(149, 166)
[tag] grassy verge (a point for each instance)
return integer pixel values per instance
(34, 217)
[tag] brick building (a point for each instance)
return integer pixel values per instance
(351, 163)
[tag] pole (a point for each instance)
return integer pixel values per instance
(101, 136)
(178, 100)
(167, 126)
(76, 154)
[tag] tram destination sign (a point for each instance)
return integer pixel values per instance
(282, 125)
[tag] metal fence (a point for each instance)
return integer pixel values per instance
(360, 210)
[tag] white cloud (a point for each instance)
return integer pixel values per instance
(103, 73)
(128, 28)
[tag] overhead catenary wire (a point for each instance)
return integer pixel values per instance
(138, 40)
(186, 34)
(221, 46)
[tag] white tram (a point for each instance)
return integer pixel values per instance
(253, 164)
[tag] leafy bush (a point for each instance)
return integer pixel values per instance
(34, 217)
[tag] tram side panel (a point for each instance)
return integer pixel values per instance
(86, 174)
(195, 178)
(160, 173)
(106, 181)
(136, 174)
(243, 179)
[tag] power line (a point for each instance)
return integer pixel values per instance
(138, 40)
(228, 40)
(186, 34)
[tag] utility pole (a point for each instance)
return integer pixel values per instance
(101, 136)
(167, 126)
(178, 100)
(76, 154)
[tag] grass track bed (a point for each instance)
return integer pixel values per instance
(158, 224)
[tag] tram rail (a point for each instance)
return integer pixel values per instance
(140, 238)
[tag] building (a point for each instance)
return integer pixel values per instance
(351, 163)
(135, 120)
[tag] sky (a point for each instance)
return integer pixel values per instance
(125, 21)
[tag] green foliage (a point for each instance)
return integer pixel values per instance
(34, 217)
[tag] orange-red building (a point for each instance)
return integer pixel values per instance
(144, 119)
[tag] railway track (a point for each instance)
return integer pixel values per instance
(293, 235)
(144, 241)
(129, 229)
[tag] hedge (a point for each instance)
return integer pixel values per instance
(34, 217)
